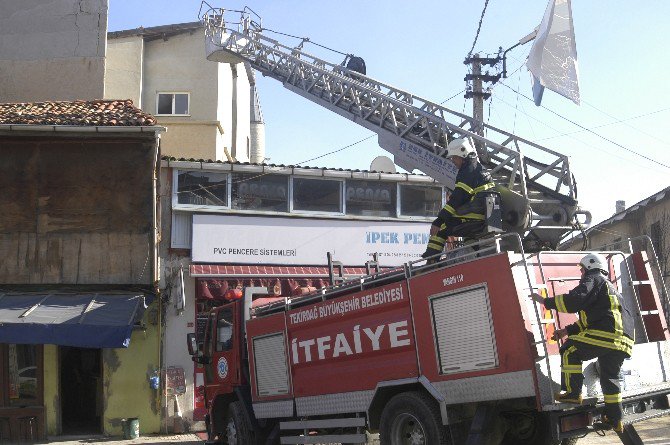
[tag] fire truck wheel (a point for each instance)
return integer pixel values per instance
(412, 418)
(238, 430)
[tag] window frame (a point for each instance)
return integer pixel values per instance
(395, 208)
(289, 195)
(175, 191)
(292, 210)
(4, 376)
(418, 218)
(173, 93)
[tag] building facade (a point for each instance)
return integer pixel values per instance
(205, 106)
(79, 317)
(234, 225)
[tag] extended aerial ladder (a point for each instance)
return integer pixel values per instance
(539, 194)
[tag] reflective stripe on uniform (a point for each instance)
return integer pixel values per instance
(452, 212)
(616, 311)
(465, 187)
(566, 364)
(572, 369)
(449, 209)
(472, 216)
(583, 318)
(613, 398)
(483, 188)
(560, 304)
(619, 344)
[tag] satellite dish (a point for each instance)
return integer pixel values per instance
(383, 164)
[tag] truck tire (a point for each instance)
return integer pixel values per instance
(532, 428)
(412, 418)
(238, 430)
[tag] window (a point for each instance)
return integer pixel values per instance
(317, 195)
(224, 330)
(371, 198)
(172, 103)
(421, 201)
(258, 191)
(202, 188)
(22, 367)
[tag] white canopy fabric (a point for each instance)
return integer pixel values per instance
(553, 57)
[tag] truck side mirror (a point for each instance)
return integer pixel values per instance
(192, 344)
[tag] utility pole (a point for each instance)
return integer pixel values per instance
(475, 91)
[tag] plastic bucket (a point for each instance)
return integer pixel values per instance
(131, 428)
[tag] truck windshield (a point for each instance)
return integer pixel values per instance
(224, 330)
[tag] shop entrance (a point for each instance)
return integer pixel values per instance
(81, 390)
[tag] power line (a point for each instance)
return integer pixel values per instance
(591, 131)
(447, 100)
(479, 28)
(529, 116)
(623, 120)
(609, 123)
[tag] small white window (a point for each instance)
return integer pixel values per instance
(173, 103)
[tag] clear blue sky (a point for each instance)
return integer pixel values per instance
(420, 46)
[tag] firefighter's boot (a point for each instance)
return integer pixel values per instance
(606, 423)
(564, 397)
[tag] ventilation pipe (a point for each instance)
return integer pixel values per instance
(257, 125)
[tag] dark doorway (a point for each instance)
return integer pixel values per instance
(80, 390)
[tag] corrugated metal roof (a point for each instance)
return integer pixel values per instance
(96, 113)
(280, 166)
(154, 32)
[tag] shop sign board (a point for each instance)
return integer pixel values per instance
(305, 241)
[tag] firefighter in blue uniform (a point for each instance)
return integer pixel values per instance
(464, 213)
(605, 329)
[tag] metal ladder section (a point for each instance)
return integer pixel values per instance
(545, 385)
(415, 130)
(309, 427)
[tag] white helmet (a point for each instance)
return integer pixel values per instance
(462, 147)
(594, 261)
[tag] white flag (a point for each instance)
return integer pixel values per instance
(553, 57)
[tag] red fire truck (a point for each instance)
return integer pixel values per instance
(450, 353)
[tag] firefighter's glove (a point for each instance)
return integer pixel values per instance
(537, 298)
(559, 334)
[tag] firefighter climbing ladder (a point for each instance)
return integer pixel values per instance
(635, 273)
(415, 130)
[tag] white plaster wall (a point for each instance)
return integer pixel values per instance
(123, 70)
(176, 323)
(178, 64)
(52, 49)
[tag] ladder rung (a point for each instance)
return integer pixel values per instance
(640, 283)
(649, 312)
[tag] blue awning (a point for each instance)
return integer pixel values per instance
(86, 320)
